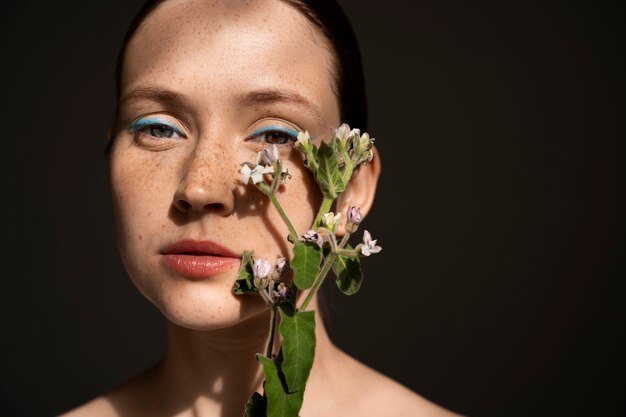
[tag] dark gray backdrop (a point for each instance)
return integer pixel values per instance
(499, 290)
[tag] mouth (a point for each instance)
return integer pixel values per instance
(197, 259)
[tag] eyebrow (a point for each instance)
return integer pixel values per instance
(155, 94)
(273, 96)
(253, 98)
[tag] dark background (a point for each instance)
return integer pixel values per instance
(499, 291)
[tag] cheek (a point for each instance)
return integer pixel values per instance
(139, 194)
(301, 197)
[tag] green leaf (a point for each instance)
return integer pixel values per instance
(298, 348)
(328, 175)
(256, 406)
(244, 283)
(280, 403)
(347, 269)
(305, 263)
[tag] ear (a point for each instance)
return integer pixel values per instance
(360, 191)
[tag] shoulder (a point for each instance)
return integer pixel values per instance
(121, 401)
(98, 407)
(373, 393)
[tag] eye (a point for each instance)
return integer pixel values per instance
(274, 135)
(156, 127)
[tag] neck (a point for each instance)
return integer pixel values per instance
(215, 372)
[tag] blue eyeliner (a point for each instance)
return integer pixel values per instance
(291, 132)
(152, 121)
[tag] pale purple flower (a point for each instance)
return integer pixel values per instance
(369, 246)
(354, 215)
(313, 236)
(268, 156)
(281, 292)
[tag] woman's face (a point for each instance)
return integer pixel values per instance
(205, 86)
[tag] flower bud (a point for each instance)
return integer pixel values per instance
(343, 133)
(304, 141)
(353, 219)
(280, 265)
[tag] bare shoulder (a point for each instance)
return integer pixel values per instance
(380, 395)
(98, 407)
(119, 401)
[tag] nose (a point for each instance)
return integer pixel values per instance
(206, 185)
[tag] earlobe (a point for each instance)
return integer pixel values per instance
(361, 190)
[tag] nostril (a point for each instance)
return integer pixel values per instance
(183, 205)
(201, 198)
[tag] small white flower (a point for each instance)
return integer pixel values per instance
(331, 220)
(262, 268)
(304, 139)
(343, 133)
(255, 174)
(355, 133)
(369, 245)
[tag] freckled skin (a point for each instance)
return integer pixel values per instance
(218, 54)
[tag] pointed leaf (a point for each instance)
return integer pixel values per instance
(347, 269)
(244, 283)
(256, 406)
(305, 263)
(280, 403)
(328, 175)
(298, 348)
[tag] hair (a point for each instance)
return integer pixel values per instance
(349, 83)
(330, 20)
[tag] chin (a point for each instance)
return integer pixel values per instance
(200, 308)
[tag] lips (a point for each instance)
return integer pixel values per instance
(199, 259)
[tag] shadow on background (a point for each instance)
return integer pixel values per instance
(499, 290)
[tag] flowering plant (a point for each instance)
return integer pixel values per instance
(315, 253)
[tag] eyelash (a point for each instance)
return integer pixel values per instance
(167, 130)
(291, 135)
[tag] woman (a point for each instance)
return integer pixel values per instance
(204, 86)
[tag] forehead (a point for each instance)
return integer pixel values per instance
(231, 44)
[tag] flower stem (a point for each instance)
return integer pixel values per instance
(324, 208)
(319, 279)
(270, 342)
(292, 231)
(348, 173)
